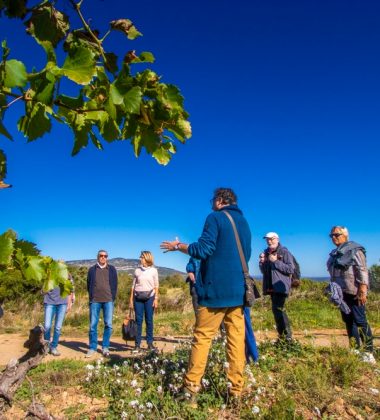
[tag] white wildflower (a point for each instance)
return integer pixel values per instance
(149, 405)
(229, 385)
(138, 392)
(374, 391)
(226, 365)
(317, 411)
(133, 383)
(133, 403)
(162, 372)
(90, 367)
(205, 382)
(159, 389)
(255, 409)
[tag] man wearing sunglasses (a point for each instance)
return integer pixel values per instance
(102, 287)
(348, 268)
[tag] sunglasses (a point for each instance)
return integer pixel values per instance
(103, 256)
(335, 235)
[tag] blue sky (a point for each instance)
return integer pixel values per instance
(285, 109)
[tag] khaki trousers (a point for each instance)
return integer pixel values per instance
(207, 325)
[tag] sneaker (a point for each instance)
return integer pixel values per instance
(187, 397)
(368, 358)
(151, 347)
(90, 353)
(54, 352)
(136, 349)
(106, 352)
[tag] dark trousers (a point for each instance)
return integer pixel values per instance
(280, 315)
(356, 324)
(141, 309)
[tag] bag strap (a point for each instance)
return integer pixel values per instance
(238, 243)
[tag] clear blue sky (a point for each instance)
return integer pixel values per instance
(284, 100)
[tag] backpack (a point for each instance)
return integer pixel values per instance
(296, 276)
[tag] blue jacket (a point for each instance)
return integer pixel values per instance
(91, 281)
(277, 274)
(221, 280)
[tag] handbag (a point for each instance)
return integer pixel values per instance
(143, 296)
(129, 326)
(251, 291)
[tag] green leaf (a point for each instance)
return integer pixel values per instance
(144, 57)
(66, 288)
(5, 49)
(127, 27)
(34, 268)
(6, 248)
(162, 156)
(132, 100)
(44, 86)
(181, 129)
(35, 123)
(136, 143)
(173, 96)
(4, 131)
(80, 66)
(116, 97)
(111, 63)
(96, 141)
(109, 129)
(81, 129)
(47, 24)
(57, 276)
(15, 74)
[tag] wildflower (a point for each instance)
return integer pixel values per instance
(136, 366)
(90, 367)
(141, 407)
(133, 383)
(205, 382)
(149, 405)
(162, 372)
(229, 385)
(133, 403)
(159, 389)
(124, 415)
(317, 411)
(374, 391)
(226, 365)
(259, 390)
(255, 409)
(138, 392)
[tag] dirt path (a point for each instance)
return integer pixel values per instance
(11, 345)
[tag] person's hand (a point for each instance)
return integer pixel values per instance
(155, 303)
(169, 245)
(272, 257)
(362, 294)
(191, 277)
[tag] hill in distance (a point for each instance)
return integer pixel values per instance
(126, 265)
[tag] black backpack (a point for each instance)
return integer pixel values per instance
(296, 276)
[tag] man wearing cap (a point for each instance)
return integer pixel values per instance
(277, 267)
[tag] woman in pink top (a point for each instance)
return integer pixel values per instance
(144, 297)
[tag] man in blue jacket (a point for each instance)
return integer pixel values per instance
(102, 287)
(220, 289)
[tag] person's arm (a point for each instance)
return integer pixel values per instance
(361, 276)
(156, 284)
(284, 265)
(132, 292)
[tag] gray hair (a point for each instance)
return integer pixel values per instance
(342, 229)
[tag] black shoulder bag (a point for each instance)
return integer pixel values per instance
(251, 291)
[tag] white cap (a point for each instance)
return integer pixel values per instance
(271, 235)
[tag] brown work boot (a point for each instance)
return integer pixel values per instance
(187, 396)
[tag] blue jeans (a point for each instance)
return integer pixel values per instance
(356, 323)
(95, 308)
(58, 312)
(146, 308)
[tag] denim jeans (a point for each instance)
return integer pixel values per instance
(146, 308)
(356, 323)
(280, 315)
(107, 308)
(58, 312)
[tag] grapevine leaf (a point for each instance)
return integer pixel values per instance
(57, 276)
(136, 143)
(35, 123)
(34, 268)
(132, 100)
(4, 131)
(44, 86)
(111, 63)
(173, 96)
(109, 129)
(181, 129)
(6, 248)
(47, 24)
(81, 38)
(80, 66)
(162, 156)
(5, 49)
(81, 130)
(96, 141)
(15, 74)
(66, 288)
(3, 165)
(116, 97)
(144, 57)
(126, 26)
(16, 8)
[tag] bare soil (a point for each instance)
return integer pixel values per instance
(75, 347)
